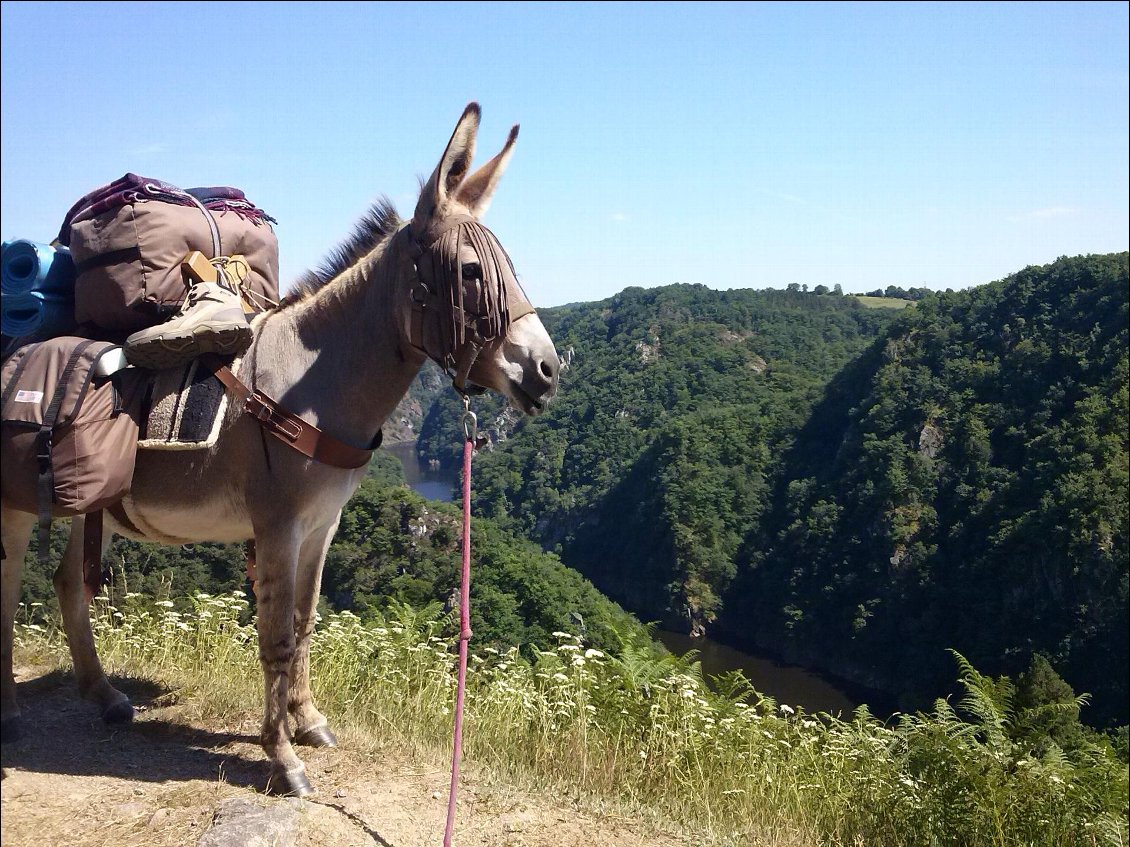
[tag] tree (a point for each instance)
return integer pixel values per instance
(820, 289)
(1049, 706)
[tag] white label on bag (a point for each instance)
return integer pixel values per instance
(29, 396)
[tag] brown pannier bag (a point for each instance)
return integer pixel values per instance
(128, 240)
(67, 445)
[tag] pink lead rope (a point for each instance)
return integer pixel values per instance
(469, 432)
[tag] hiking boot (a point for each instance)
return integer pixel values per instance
(211, 320)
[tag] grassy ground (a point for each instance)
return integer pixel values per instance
(157, 782)
(883, 302)
(645, 736)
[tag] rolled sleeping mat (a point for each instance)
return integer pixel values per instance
(31, 266)
(20, 314)
(36, 314)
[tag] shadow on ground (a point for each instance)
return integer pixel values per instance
(60, 733)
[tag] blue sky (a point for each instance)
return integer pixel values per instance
(735, 145)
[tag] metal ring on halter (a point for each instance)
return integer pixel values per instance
(469, 421)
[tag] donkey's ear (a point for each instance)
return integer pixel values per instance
(453, 165)
(477, 190)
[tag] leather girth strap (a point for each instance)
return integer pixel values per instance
(288, 428)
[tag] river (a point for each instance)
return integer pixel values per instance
(433, 485)
(784, 683)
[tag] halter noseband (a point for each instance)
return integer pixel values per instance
(439, 286)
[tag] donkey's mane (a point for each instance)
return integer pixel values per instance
(377, 224)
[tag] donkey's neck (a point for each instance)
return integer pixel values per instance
(337, 358)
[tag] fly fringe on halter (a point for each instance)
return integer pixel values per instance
(499, 299)
(489, 317)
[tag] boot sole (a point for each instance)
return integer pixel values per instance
(168, 351)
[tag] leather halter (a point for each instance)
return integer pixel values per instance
(439, 287)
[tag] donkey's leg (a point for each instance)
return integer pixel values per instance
(276, 563)
(16, 533)
(69, 587)
(310, 726)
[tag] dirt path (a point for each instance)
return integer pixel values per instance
(71, 780)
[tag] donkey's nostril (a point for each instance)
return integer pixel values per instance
(546, 370)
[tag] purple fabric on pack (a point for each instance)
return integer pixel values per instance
(132, 188)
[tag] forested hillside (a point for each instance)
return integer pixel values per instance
(961, 485)
(855, 489)
(651, 466)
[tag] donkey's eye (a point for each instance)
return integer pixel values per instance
(471, 270)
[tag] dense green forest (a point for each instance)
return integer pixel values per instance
(961, 485)
(650, 467)
(855, 489)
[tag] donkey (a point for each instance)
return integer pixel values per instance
(340, 352)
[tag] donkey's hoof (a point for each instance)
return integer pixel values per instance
(10, 730)
(290, 784)
(319, 736)
(118, 713)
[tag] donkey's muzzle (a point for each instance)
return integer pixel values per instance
(539, 383)
(546, 375)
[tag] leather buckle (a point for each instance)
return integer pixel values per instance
(260, 407)
(290, 429)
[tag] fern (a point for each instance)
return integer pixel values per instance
(990, 702)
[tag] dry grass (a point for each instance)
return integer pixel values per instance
(883, 302)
